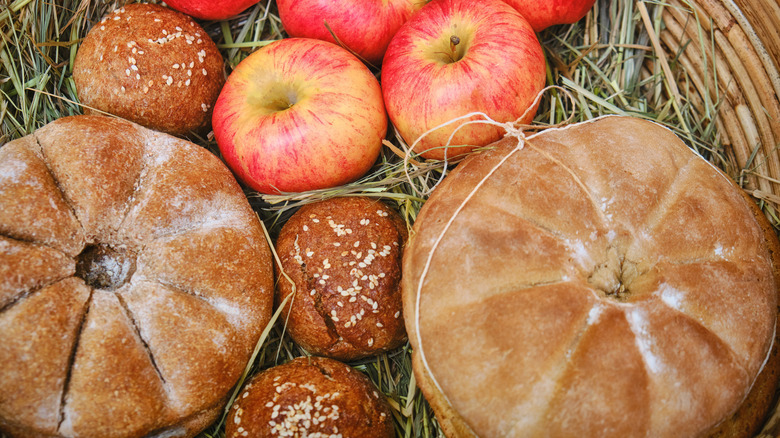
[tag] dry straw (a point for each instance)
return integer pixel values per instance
(707, 69)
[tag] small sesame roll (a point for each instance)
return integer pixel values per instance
(344, 256)
(310, 397)
(119, 66)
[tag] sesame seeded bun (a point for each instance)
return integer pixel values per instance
(150, 65)
(344, 256)
(310, 396)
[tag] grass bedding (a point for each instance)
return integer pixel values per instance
(608, 64)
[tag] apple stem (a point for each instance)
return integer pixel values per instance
(454, 41)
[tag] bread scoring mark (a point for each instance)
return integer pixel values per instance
(637, 320)
(668, 196)
(63, 196)
(137, 330)
(72, 359)
(233, 313)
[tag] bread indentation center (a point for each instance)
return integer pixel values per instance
(105, 267)
(613, 277)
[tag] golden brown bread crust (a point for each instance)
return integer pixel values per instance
(185, 289)
(310, 396)
(751, 415)
(344, 256)
(603, 268)
(150, 65)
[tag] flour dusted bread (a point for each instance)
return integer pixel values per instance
(310, 397)
(151, 65)
(135, 281)
(602, 281)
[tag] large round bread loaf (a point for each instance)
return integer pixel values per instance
(135, 281)
(603, 280)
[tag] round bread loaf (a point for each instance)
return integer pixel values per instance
(310, 397)
(135, 281)
(150, 65)
(344, 256)
(603, 280)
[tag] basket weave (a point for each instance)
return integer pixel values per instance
(744, 60)
(739, 72)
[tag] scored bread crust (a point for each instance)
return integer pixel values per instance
(158, 351)
(602, 281)
(150, 65)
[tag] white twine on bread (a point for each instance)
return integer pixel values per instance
(511, 129)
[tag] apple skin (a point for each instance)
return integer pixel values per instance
(500, 72)
(210, 9)
(299, 114)
(545, 13)
(364, 27)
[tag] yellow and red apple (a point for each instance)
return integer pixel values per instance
(210, 9)
(364, 26)
(454, 57)
(299, 114)
(542, 14)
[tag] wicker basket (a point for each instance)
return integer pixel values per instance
(744, 63)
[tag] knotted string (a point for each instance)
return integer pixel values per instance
(511, 129)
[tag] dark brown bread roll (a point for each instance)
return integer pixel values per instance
(150, 65)
(135, 280)
(344, 255)
(310, 397)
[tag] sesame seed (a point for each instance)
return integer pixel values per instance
(187, 83)
(102, 27)
(397, 314)
(189, 72)
(370, 342)
(134, 67)
(205, 73)
(175, 66)
(137, 77)
(123, 88)
(157, 20)
(169, 81)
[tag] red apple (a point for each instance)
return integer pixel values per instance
(363, 26)
(299, 114)
(210, 9)
(545, 13)
(454, 57)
